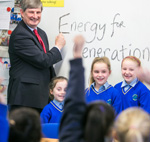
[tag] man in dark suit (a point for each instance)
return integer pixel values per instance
(31, 67)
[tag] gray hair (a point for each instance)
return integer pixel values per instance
(31, 4)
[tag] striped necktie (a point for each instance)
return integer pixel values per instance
(40, 39)
(127, 87)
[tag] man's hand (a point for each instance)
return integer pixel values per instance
(60, 41)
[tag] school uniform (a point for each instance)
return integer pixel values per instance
(52, 112)
(71, 127)
(4, 126)
(134, 94)
(106, 93)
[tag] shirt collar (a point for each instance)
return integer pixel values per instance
(31, 28)
(105, 86)
(58, 103)
(133, 83)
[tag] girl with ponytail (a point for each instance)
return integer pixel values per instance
(133, 125)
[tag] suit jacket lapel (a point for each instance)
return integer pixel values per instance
(33, 35)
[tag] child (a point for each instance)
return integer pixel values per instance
(25, 125)
(53, 111)
(82, 122)
(133, 125)
(100, 89)
(133, 91)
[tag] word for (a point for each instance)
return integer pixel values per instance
(97, 30)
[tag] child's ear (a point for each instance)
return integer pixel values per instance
(51, 91)
(114, 135)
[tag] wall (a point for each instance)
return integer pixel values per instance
(112, 28)
(4, 61)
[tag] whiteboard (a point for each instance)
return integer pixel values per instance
(112, 28)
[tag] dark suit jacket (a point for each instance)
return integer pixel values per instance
(31, 69)
(71, 126)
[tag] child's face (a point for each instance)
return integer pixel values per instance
(129, 70)
(100, 74)
(59, 90)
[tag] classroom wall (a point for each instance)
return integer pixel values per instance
(112, 28)
(4, 61)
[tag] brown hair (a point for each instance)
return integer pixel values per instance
(98, 121)
(99, 60)
(53, 83)
(25, 125)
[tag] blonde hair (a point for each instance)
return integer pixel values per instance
(132, 58)
(133, 125)
(99, 60)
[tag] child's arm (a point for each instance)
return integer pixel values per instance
(71, 129)
(4, 127)
(117, 101)
(78, 45)
(144, 98)
(46, 114)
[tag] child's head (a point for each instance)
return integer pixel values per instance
(133, 125)
(100, 71)
(129, 67)
(25, 125)
(58, 86)
(98, 121)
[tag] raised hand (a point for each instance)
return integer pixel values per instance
(78, 46)
(144, 75)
